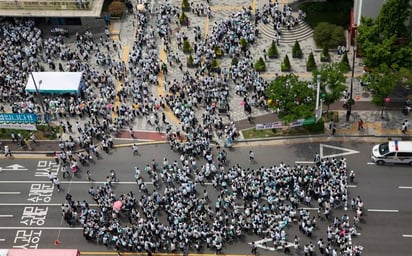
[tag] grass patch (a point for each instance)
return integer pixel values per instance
(311, 129)
(334, 12)
(43, 132)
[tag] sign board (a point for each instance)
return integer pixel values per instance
(25, 118)
(281, 125)
(30, 127)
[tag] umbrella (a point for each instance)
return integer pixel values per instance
(140, 7)
(117, 205)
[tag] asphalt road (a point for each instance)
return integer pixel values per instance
(30, 207)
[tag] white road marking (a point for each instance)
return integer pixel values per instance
(26, 204)
(346, 151)
(371, 163)
(6, 216)
(10, 193)
(382, 210)
(352, 186)
(407, 236)
(404, 187)
(2, 240)
(304, 162)
(43, 228)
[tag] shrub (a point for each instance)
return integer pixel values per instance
(190, 61)
(324, 56)
(285, 65)
(310, 64)
(187, 48)
(116, 8)
(260, 65)
(183, 19)
(329, 34)
(215, 64)
(316, 128)
(185, 5)
(235, 61)
(297, 51)
(273, 51)
(218, 52)
(344, 63)
(243, 43)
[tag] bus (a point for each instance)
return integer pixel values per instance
(39, 252)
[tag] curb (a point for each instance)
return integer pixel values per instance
(129, 142)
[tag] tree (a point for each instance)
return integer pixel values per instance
(183, 19)
(381, 81)
(260, 65)
(273, 50)
(332, 83)
(324, 56)
(285, 65)
(116, 8)
(392, 17)
(187, 47)
(185, 5)
(297, 51)
(310, 63)
(291, 98)
(386, 39)
(344, 63)
(329, 34)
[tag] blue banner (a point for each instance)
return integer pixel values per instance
(18, 118)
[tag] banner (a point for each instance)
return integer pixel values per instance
(18, 118)
(281, 125)
(30, 127)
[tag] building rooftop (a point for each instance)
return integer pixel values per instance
(51, 8)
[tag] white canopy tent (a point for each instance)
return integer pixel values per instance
(55, 82)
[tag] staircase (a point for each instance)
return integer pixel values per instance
(300, 32)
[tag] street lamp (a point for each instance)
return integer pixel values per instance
(318, 115)
(40, 97)
(350, 102)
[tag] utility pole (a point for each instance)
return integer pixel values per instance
(350, 101)
(318, 115)
(40, 97)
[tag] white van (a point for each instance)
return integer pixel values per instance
(393, 152)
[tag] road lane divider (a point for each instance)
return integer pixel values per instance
(407, 236)
(6, 216)
(404, 187)
(10, 193)
(383, 210)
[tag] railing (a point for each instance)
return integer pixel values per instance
(46, 4)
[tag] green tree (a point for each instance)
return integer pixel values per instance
(273, 50)
(382, 80)
(235, 61)
(285, 65)
(332, 83)
(291, 98)
(329, 34)
(260, 65)
(392, 17)
(344, 63)
(185, 5)
(243, 43)
(310, 63)
(324, 56)
(297, 51)
(187, 47)
(183, 19)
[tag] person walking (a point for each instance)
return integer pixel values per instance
(135, 149)
(89, 176)
(360, 124)
(65, 171)
(404, 128)
(33, 138)
(7, 151)
(251, 156)
(56, 182)
(254, 249)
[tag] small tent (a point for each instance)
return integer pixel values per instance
(54, 82)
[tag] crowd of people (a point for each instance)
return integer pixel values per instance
(260, 200)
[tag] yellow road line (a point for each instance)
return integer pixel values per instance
(207, 26)
(125, 56)
(161, 89)
(228, 7)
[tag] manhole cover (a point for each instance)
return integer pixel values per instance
(365, 94)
